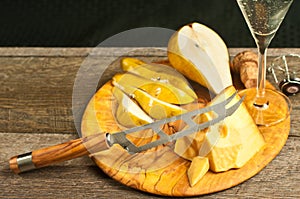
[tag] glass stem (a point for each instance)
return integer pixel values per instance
(261, 101)
(262, 43)
(261, 76)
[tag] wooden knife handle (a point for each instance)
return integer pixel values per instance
(58, 153)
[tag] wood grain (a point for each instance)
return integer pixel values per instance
(61, 152)
(36, 114)
(161, 171)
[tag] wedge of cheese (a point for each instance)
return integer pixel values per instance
(234, 141)
(197, 169)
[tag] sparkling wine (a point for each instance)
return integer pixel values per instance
(264, 17)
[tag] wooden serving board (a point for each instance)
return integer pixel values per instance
(160, 171)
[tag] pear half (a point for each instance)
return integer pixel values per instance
(201, 55)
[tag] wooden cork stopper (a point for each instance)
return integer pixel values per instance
(245, 63)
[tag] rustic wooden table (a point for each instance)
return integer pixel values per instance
(36, 87)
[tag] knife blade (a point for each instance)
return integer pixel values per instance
(220, 109)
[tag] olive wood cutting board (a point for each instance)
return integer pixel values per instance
(160, 171)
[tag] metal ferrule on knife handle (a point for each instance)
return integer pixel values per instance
(22, 163)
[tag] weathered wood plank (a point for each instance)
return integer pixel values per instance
(81, 178)
(295, 118)
(36, 94)
(81, 52)
(114, 51)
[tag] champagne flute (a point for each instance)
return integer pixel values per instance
(263, 17)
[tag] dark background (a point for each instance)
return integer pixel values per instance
(86, 23)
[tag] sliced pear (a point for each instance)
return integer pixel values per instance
(164, 92)
(201, 55)
(167, 93)
(156, 108)
(129, 63)
(158, 72)
(197, 169)
(128, 113)
(128, 82)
